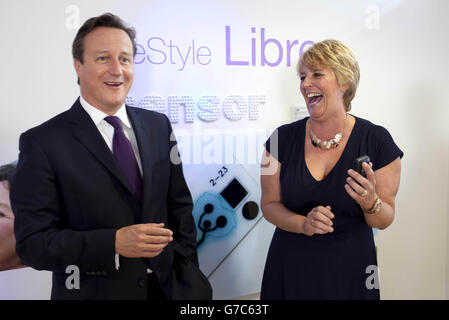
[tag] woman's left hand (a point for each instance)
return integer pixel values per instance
(364, 190)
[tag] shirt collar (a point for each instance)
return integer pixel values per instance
(98, 115)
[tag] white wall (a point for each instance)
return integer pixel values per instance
(402, 55)
(405, 62)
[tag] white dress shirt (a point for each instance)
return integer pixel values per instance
(107, 132)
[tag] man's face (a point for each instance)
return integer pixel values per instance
(8, 257)
(108, 69)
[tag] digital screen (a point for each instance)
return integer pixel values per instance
(234, 193)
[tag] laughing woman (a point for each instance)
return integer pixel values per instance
(323, 246)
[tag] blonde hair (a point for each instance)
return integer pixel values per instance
(337, 56)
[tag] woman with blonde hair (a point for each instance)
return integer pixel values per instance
(323, 210)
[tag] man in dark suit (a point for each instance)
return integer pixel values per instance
(99, 187)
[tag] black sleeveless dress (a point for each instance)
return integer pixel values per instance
(338, 265)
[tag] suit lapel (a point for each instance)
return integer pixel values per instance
(146, 143)
(87, 133)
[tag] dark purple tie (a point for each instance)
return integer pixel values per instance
(124, 154)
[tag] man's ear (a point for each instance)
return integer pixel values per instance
(77, 64)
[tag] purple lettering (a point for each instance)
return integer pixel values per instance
(152, 49)
(193, 51)
(182, 60)
(228, 51)
(253, 48)
(301, 50)
(263, 44)
(198, 55)
(136, 59)
(289, 50)
(171, 46)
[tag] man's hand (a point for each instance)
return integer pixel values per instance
(142, 240)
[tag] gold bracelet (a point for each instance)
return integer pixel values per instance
(376, 206)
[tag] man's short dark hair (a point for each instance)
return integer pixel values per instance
(6, 173)
(105, 20)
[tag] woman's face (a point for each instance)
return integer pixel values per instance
(321, 91)
(8, 257)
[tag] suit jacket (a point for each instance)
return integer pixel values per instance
(70, 197)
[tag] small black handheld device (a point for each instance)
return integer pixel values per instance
(358, 164)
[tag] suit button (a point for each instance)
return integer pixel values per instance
(142, 282)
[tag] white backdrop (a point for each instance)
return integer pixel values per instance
(401, 47)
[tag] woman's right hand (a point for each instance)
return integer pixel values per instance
(318, 221)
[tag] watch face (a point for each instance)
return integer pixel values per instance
(234, 193)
